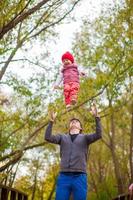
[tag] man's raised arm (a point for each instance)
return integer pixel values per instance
(56, 139)
(98, 133)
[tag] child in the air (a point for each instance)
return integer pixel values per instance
(70, 77)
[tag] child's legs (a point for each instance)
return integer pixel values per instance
(67, 93)
(63, 189)
(74, 91)
(79, 187)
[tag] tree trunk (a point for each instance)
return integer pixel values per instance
(114, 156)
(34, 185)
(52, 191)
(93, 180)
(131, 145)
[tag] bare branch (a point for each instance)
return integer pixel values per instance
(25, 149)
(44, 19)
(21, 18)
(8, 61)
(56, 22)
(21, 10)
(3, 70)
(28, 60)
(11, 162)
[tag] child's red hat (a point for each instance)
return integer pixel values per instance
(68, 56)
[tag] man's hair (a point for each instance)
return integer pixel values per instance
(78, 121)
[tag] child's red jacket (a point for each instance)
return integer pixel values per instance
(70, 73)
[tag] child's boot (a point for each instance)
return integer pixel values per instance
(68, 106)
(73, 101)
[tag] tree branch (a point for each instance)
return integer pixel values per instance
(11, 162)
(25, 149)
(47, 16)
(21, 18)
(21, 10)
(26, 59)
(3, 70)
(54, 23)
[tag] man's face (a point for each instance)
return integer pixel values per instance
(75, 124)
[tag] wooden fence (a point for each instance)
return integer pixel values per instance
(7, 193)
(124, 197)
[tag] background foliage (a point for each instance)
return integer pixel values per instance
(104, 47)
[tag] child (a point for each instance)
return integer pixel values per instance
(70, 77)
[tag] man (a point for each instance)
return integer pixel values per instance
(73, 152)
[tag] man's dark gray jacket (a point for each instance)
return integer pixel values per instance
(73, 154)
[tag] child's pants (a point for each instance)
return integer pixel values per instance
(71, 92)
(71, 184)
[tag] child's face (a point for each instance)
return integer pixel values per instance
(66, 62)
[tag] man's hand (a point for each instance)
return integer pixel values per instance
(94, 111)
(52, 116)
(131, 189)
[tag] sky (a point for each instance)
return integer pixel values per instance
(90, 8)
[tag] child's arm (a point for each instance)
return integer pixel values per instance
(81, 72)
(58, 82)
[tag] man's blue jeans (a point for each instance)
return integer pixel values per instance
(71, 184)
